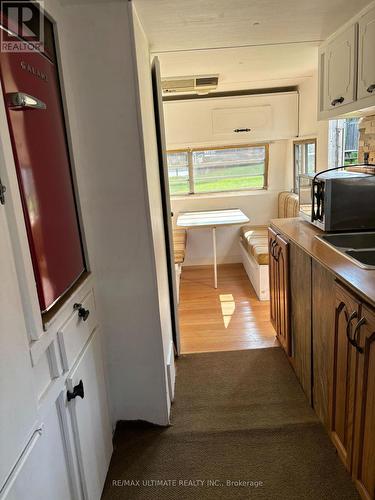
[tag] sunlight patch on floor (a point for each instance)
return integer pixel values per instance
(228, 306)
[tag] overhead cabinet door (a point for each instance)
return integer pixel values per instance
(340, 69)
(366, 59)
(231, 120)
(251, 120)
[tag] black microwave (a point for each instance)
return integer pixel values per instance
(338, 200)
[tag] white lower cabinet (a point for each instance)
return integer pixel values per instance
(43, 470)
(90, 418)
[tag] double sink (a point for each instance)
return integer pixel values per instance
(358, 247)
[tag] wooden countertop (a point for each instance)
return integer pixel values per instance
(300, 232)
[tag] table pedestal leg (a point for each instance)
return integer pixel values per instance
(215, 260)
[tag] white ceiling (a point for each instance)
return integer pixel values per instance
(194, 24)
(247, 67)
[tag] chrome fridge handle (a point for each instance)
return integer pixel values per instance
(21, 101)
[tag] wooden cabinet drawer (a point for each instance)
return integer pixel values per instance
(75, 332)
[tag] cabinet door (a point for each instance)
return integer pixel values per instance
(366, 60)
(43, 470)
(343, 375)
(90, 418)
(323, 328)
(364, 436)
(300, 294)
(18, 407)
(283, 293)
(272, 277)
(340, 69)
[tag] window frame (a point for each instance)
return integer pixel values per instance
(302, 142)
(190, 152)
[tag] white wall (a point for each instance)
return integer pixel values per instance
(259, 206)
(99, 73)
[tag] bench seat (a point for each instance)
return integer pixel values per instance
(179, 245)
(254, 246)
(255, 240)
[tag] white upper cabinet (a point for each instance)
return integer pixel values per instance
(339, 66)
(366, 57)
(347, 69)
(217, 121)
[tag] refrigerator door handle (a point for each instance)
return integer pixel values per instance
(21, 101)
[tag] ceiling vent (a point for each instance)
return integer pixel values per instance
(189, 84)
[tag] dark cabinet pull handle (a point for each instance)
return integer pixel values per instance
(239, 130)
(371, 88)
(339, 100)
(348, 328)
(360, 323)
(78, 390)
(82, 312)
(2, 193)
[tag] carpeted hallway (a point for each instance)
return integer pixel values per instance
(241, 428)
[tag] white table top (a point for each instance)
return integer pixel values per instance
(211, 218)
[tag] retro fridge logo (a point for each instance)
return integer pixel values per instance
(22, 26)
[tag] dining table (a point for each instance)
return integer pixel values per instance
(212, 219)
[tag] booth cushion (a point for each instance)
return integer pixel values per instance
(179, 245)
(288, 205)
(255, 240)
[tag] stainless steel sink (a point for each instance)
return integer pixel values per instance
(358, 247)
(354, 241)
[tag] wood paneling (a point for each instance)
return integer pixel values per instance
(364, 436)
(224, 319)
(283, 293)
(300, 288)
(342, 400)
(272, 235)
(323, 325)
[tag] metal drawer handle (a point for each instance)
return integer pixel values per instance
(82, 312)
(339, 100)
(78, 390)
(239, 130)
(20, 101)
(371, 88)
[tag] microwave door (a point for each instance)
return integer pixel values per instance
(35, 119)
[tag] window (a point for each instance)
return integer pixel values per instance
(304, 159)
(212, 170)
(343, 142)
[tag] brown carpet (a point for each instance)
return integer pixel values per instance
(238, 417)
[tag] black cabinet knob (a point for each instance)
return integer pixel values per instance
(78, 390)
(82, 312)
(339, 100)
(239, 130)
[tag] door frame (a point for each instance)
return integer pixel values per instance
(165, 196)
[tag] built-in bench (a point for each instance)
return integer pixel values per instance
(179, 249)
(254, 246)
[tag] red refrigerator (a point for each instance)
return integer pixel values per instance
(35, 118)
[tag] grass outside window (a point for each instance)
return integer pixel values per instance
(213, 170)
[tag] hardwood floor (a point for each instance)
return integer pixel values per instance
(226, 319)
